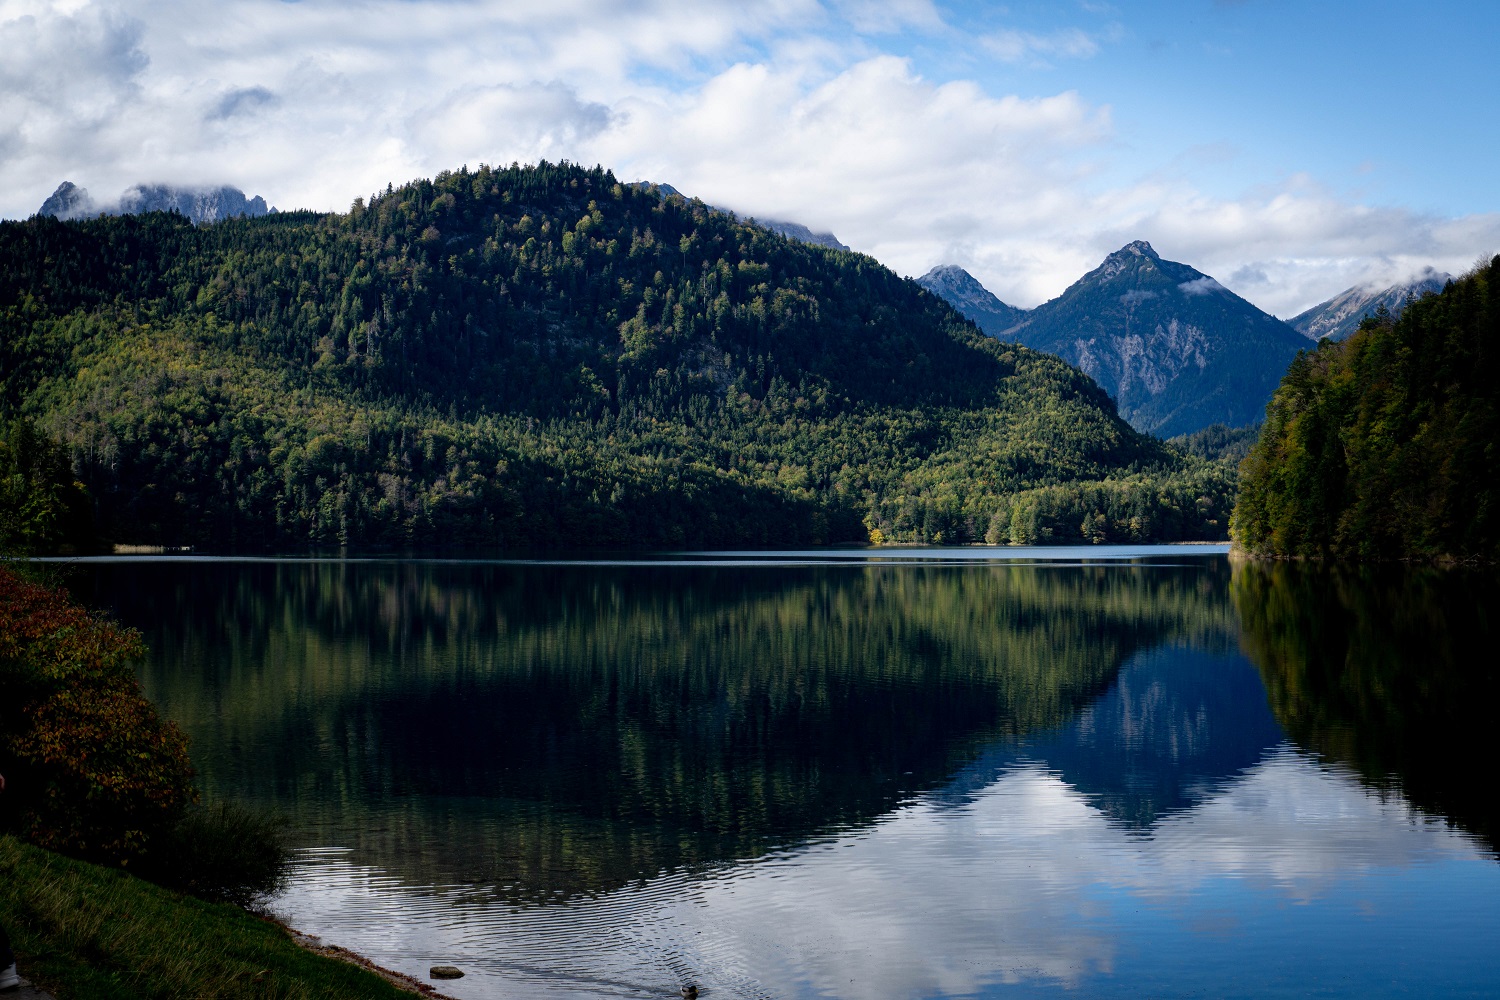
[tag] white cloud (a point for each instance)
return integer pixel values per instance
(311, 103)
(782, 109)
(1291, 247)
(897, 166)
(1024, 46)
(1200, 286)
(506, 123)
(65, 81)
(889, 16)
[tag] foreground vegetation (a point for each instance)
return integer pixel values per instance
(93, 772)
(90, 768)
(1387, 445)
(542, 356)
(87, 932)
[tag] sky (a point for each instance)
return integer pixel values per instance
(1289, 149)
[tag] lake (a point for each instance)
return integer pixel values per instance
(890, 773)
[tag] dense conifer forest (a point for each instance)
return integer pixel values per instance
(1386, 445)
(541, 356)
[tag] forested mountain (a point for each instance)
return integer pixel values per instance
(1386, 445)
(1341, 315)
(543, 356)
(1175, 349)
(1217, 443)
(962, 291)
(70, 201)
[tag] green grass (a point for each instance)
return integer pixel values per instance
(83, 932)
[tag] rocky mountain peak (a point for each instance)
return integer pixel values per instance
(1137, 248)
(1341, 315)
(1175, 349)
(791, 230)
(1132, 257)
(964, 292)
(69, 201)
(797, 231)
(200, 205)
(955, 279)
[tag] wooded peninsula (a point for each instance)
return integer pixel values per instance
(1386, 445)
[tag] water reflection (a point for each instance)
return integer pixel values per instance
(567, 729)
(854, 780)
(1389, 672)
(1262, 887)
(1176, 725)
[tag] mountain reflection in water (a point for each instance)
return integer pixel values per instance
(868, 780)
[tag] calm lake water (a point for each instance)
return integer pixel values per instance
(894, 774)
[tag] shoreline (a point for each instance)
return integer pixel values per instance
(316, 945)
(584, 557)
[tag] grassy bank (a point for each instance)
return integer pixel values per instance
(84, 931)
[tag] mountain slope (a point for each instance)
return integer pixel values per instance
(963, 292)
(542, 356)
(1341, 315)
(1176, 350)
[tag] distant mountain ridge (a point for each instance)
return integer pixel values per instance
(791, 230)
(1341, 315)
(964, 292)
(797, 231)
(1175, 349)
(200, 205)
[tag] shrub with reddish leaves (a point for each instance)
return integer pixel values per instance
(91, 770)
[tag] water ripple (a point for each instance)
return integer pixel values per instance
(1025, 885)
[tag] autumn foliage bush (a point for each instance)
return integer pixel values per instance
(91, 769)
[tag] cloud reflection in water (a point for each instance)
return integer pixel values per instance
(1027, 883)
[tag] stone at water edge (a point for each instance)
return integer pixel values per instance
(445, 972)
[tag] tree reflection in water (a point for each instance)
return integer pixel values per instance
(880, 781)
(557, 729)
(1389, 671)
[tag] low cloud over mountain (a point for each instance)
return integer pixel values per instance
(1342, 314)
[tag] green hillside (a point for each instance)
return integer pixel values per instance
(1386, 445)
(542, 356)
